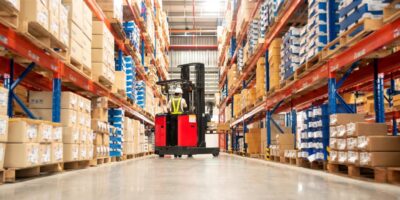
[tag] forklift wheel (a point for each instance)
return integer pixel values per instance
(175, 156)
(215, 154)
(161, 155)
(180, 156)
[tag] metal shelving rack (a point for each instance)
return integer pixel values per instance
(61, 77)
(347, 71)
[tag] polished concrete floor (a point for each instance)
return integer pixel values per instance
(202, 177)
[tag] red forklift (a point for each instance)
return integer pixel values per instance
(184, 134)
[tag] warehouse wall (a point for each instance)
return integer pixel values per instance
(208, 57)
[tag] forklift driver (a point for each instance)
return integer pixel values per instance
(177, 104)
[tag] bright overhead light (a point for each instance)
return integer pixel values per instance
(211, 5)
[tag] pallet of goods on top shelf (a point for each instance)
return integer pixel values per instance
(80, 37)
(113, 10)
(9, 13)
(244, 15)
(44, 25)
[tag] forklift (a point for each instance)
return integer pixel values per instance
(184, 134)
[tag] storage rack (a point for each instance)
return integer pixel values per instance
(47, 72)
(327, 81)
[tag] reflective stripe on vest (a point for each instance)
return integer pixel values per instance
(176, 106)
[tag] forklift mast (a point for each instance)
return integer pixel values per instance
(198, 98)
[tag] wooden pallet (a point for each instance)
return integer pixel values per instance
(73, 165)
(8, 15)
(103, 81)
(12, 175)
(42, 38)
(288, 82)
(118, 28)
(274, 158)
(99, 161)
(394, 175)
(377, 174)
(348, 38)
(2, 176)
(391, 13)
(290, 161)
(301, 71)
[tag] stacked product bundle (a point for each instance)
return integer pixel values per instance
(129, 132)
(101, 128)
(241, 59)
(120, 84)
(132, 32)
(352, 12)
(338, 137)
(103, 65)
(274, 59)
(253, 35)
(75, 119)
(80, 26)
(290, 51)
(116, 120)
(140, 89)
(260, 78)
(113, 9)
(303, 45)
(130, 71)
(269, 10)
(3, 123)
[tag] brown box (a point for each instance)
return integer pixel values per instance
(3, 101)
(20, 155)
(380, 159)
(68, 117)
(100, 102)
(71, 152)
(69, 100)
(353, 158)
(71, 135)
(83, 154)
(2, 154)
(351, 143)
(98, 140)
(333, 156)
(57, 152)
(285, 139)
(364, 128)
(99, 126)
(3, 128)
(35, 11)
(106, 140)
(57, 133)
(22, 130)
(342, 157)
(45, 132)
(379, 143)
(45, 154)
(345, 118)
(223, 127)
(75, 8)
(253, 140)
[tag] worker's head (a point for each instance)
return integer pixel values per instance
(178, 91)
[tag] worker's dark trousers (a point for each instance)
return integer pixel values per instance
(172, 137)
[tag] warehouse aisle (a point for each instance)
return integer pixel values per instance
(199, 178)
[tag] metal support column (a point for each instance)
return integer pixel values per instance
(56, 112)
(332, 94)
(9, 82)
(268, 125)
(142, 52)
(244, 126)
(378, 95)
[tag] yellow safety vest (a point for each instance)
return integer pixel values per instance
(176, 106)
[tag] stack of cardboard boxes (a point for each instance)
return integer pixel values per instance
(3, 123)
(103, 65)
(129, 132)
(113, 9)
(75, 119)
(274, 59)
(244, 14)
(260, 78)
(101, 128)
(359, 143)
(80, 28)
(232, 76)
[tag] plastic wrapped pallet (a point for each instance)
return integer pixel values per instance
(116, 119)
(290, 51)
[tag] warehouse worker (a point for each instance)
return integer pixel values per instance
(177, 104)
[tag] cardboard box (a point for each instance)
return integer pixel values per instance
(341, 144)
(351, 143)
(87, 21)
(68, 117)
(35, 11)
(285, 139)
(3, 128)
(71, 152)
(364, 128)
(380, 159)
(342, 157)
(99, 126)
(333, 156)
(353, 158)
(20, 155)
(106, 140)
(83, 154)
(39, 99)
(64, 28)
(76, 51)
(45, 132)
(45, 154)
(22, 130)
(253, 140)
(57, 152)
(100, 114)
(2, 154)
(3, 101)
(71, 135)
(100, 102)
(90, 151)
(83, 135)
(378, 143)
(75, 9)
(54, 26)
(57, 133)
(345, 118)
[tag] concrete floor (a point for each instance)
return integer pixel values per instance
(202, 177)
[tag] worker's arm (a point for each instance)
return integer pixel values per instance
(169, 106)
(184, 104)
